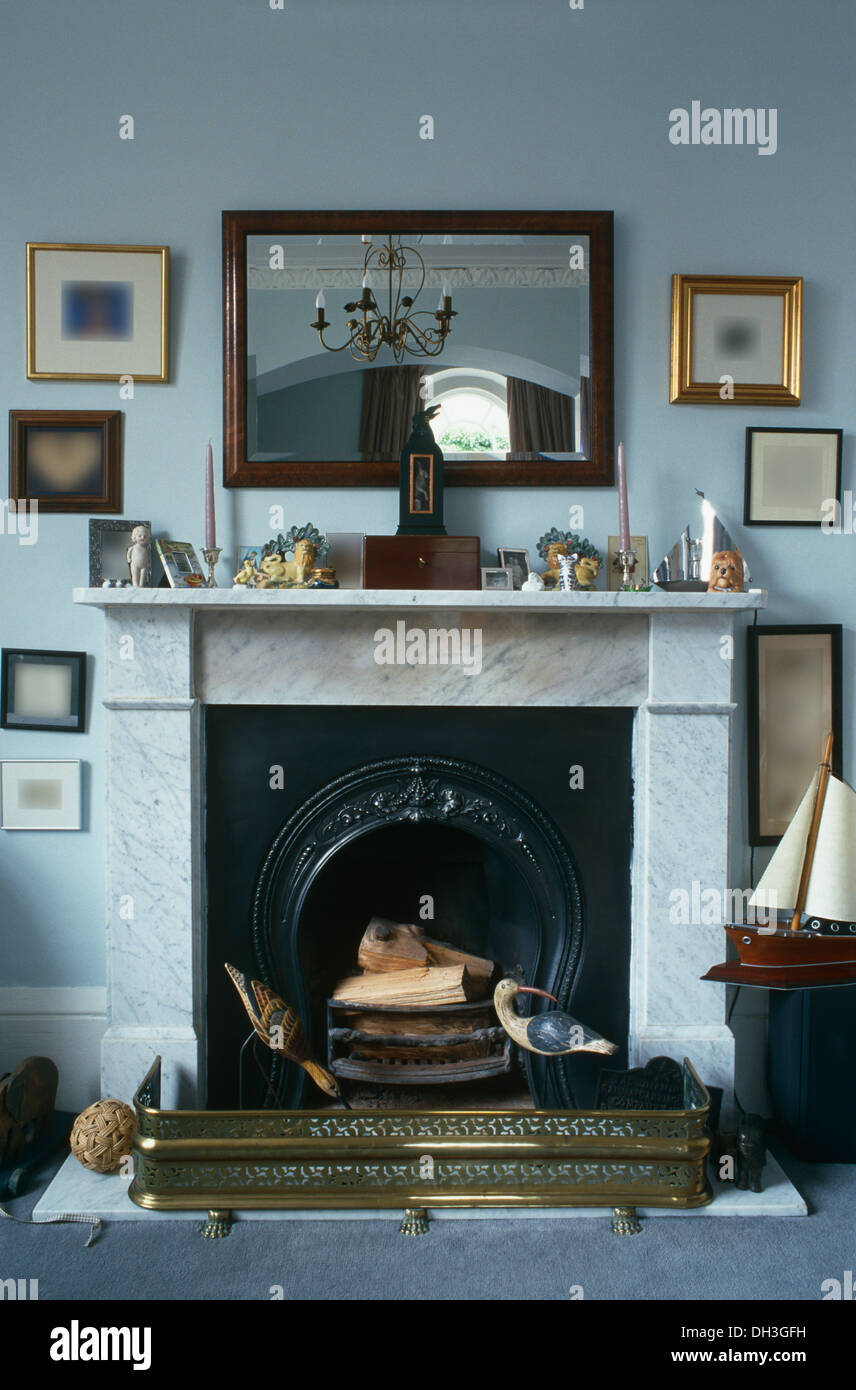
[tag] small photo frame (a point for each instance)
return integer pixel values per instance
(794, 702)
(43, 690)
(517, 561)
(496, 578)
(736, 340)
(109, 542)
(66, 460)
(640, 575)
(97, 313)
(181, 565)
(793, 476)
(40, 795)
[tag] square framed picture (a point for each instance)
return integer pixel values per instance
(97, 313)
(497, 578)
(109, 543)
(517, 561)
(793, 477)
(66, 460)
(43, 690)
(640, 575)
(736, 340)
(40, 795)
(794, 702)
(181, 565)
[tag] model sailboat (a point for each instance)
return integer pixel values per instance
(812, 875)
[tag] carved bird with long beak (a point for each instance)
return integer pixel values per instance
(281, 1029)
(552, 1034)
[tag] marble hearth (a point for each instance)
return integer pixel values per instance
(168, 654)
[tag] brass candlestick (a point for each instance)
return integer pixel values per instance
(211, 555)
(627, 561)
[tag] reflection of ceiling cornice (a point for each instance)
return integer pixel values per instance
(348, 253)
(517, 277)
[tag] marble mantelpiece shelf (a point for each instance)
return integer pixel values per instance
(656, 601)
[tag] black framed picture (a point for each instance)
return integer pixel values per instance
(794, 702)
(43, 690)
(793, 477)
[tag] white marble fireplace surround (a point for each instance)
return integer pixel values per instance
(169, 653)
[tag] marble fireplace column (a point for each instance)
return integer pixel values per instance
(155, 961)
(682, 761)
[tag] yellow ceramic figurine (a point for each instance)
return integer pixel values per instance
(551, 575)
(586, 569)
(247, 574)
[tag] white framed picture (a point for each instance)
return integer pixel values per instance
(40, 795)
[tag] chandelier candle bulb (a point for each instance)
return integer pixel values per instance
(210, 526)
(320, 300)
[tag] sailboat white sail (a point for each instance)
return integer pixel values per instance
(832, 885)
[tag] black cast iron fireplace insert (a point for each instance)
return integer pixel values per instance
(387, 834)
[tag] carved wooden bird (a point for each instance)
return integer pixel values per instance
(281, 1029)
(551, 1034)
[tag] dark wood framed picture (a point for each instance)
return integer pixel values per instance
(43, 690)
(66, 460)
(793, 477)
(794, 702)
(357, 294)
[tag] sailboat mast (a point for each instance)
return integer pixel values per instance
(814, 828)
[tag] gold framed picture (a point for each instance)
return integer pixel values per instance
(736, 340)
(97, 313)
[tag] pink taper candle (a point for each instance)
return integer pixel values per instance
(210, 527)
(623, 522)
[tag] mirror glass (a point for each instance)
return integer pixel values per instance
(513, 378)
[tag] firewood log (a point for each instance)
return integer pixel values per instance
(449, 984)
(388, 946)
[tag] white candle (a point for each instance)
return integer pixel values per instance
(447, 293)
(320, 301)
(210, 527)
(623, 520)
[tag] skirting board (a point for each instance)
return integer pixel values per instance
(65, 1024)
(76, 1190)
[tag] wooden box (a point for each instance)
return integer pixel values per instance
(421, 562)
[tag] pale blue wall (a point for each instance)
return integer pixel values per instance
(536, 105)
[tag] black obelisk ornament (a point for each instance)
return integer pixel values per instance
(421, 480)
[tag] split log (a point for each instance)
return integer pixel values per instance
(450, 984)
(418, 1024)
(388, 946)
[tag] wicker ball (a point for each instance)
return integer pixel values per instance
(103, 1134)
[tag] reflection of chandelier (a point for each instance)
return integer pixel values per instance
(399, 330)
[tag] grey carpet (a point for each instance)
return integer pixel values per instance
(723, 1258)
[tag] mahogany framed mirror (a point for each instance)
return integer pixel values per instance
(338, 326)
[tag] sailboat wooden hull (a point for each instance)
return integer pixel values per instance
(787, 960)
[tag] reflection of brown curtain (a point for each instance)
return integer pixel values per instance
(390, 400)
(539, 420)
(585, 416)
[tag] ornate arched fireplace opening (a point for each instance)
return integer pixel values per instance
(432, 833)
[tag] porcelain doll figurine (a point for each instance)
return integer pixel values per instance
(138, 556)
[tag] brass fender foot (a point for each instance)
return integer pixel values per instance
(219, 1224)
(625, 1221)
(415, 1222)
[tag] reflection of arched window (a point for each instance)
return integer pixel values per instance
(473, 418)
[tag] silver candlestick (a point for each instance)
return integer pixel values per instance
(211, 554)
(627, 562)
